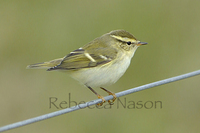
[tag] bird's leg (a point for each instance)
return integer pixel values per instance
(110, 93)
(99, 96)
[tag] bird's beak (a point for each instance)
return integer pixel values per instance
(141, 43)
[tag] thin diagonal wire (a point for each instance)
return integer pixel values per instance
(80, 106)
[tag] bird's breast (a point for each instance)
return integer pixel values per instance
(106, 74)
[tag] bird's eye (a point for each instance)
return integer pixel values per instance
(129, 43)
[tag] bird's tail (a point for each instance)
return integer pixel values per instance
(44, 65)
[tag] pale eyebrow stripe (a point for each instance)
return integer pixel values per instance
(89, 57)
(123, 39)
(117, 37)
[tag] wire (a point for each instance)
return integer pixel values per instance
(80, 106)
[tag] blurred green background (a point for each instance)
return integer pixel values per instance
(37, 31)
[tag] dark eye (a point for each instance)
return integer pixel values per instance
(129, 43)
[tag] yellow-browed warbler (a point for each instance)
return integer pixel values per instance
(101, 62)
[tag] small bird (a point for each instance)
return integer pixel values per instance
(99, 63)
